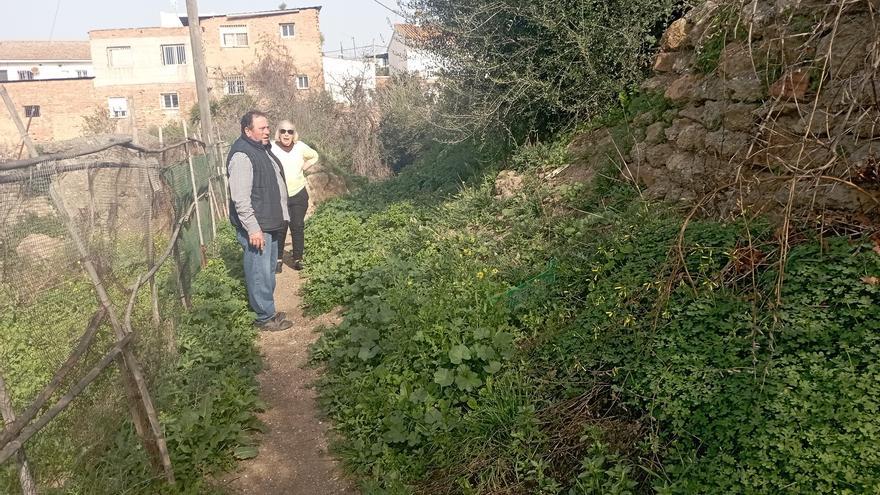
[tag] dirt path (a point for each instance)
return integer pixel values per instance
(293, 456)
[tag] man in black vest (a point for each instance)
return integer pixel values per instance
(258, 210)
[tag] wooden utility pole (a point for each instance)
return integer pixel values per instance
(201, 73)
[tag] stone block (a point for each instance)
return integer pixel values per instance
(685, 166)
(654, 133)
(691, 138)
(658, 83)
(847, 47)
(665, 61)
(40, 248)
(507, 184)
(676, 35)
(739, 116)
(684, 63)
(709, 114)
(656, 156)
(683, 89)
(736, 60)
(792, 85)
(675, 129)
(728, 144)
(744, 89)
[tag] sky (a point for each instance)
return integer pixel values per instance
(341, 20)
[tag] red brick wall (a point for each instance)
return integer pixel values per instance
(63, 103)
(145, 101)
(304, 47)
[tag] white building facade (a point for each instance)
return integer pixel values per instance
(406, 56)
(343, 77)
(42, 60)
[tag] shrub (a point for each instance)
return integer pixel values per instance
(537, 66)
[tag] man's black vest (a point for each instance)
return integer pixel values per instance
(265, 195)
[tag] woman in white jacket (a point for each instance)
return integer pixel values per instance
(295, 156)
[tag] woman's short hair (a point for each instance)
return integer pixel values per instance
(286, 124)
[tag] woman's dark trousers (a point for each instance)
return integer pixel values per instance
(297, 206)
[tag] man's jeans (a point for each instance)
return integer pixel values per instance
(259, 274)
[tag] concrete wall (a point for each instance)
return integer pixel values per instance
(397, 55)
(403, 58)
(340, 73)
(146, 56)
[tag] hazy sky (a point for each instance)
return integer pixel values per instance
(365, 20)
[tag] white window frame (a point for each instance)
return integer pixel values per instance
(118, 106)
(122, 60)
(25, 75)
(302, 81)
(235, 32)
(287, 26)
(173, 99)
(173, 54)
(234, 85)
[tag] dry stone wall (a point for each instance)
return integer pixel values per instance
(767, 94)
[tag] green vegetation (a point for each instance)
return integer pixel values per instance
(529, 68)
(555, 342)
(206, 392)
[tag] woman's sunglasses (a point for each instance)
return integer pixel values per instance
(286, 131)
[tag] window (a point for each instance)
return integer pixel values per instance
(25, 75)
(233, 36)
(82, 73)
(287, 30)
(302, 82)
(118, 107)
(32, 110)
(119, 56)
(235, 85)
(170, 101)
(173, 55)
(4, 75)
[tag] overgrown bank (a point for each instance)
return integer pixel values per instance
(570, 338)
(206, 388)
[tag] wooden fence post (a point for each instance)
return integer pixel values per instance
(195, 194)
(140, 402)
(148, 240)
(28, 487)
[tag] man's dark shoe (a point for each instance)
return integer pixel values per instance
(281, 315)
(296, 264)
(278, 266)
(274, 325)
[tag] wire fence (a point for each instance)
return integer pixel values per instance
(98, 249)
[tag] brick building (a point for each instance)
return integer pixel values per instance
(52, 109)
(232, 43)
(144, 77)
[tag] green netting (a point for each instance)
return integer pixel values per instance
(178, 178)
(514, 294)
